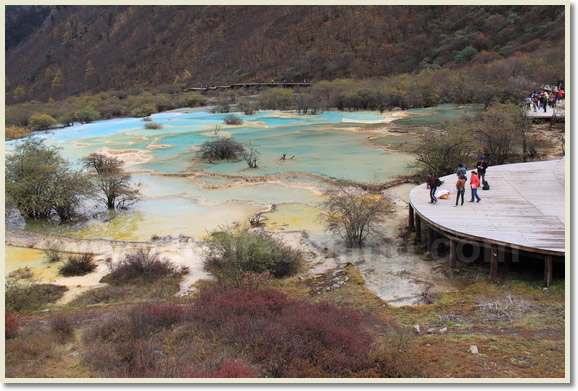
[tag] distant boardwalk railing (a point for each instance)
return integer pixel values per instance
(249, 85)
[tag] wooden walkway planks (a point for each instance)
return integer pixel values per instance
(560, 112)
(524, 208)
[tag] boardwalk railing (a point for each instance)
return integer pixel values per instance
(249, 85)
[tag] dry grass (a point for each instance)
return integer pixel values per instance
(27, 296)
(137, 290)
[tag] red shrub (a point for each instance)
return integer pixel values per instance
(234, 368)
(140, 361)
(11, 325)
(231, 368)
(296, 339)
(330, 338)
(216, 306)
(62, 326)
(147, 318)
(250, 280)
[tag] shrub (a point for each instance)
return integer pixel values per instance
(249, 280)
(295, 339)
(62, 326)
(247, 107)
(231, 119)
(52, 253)
(153, 125)
(106, 294)
(120, 346)
(143, 111)
(135, 359)
(230, 368)
(220, 149)
(234, 369)
(41, 122)
(11, 325)
(147, 119)
(29, 297)
(141, 264)
(77, 265)
(221, 107)
(27, 355)
(251, 155)
(24, 273)
(395, 358)
(163, 288)
(192, 99)
(232, 251)
(14, 132)
(466, 54)
(276, 99)
(144, 319)
(353, 214)
(87, 115)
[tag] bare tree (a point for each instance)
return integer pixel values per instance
(353, 213)
(499, 131)
(220, 149)
(251, 155)
(440, 152)
(117, 190)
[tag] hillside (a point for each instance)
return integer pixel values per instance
(94, 48)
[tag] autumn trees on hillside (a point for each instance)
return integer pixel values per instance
(89, 49)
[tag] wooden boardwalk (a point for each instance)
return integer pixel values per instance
(524, 208)
(249, 85)
(540, 114)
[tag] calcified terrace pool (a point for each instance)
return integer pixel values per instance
(330, 145)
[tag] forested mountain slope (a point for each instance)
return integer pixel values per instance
(93, 48)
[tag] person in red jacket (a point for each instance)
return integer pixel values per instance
(474, 184)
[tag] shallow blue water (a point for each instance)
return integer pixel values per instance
(331, 144)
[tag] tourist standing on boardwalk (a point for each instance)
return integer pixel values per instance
(461, 170)
(461, 186)
(432, 185)
(482, 166)
(544, 101)
(474, 184)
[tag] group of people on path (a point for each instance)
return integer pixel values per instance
(477, 177)
(540, 100)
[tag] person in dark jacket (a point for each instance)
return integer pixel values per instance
(482, 166)
(432, 186)
(461, 170)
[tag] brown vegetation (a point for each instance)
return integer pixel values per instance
(27, 296)
(94, 48)
(141, 265)
(501, 133)
(77, 265)
(353, 214)
(232, 251)
(200, 337)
